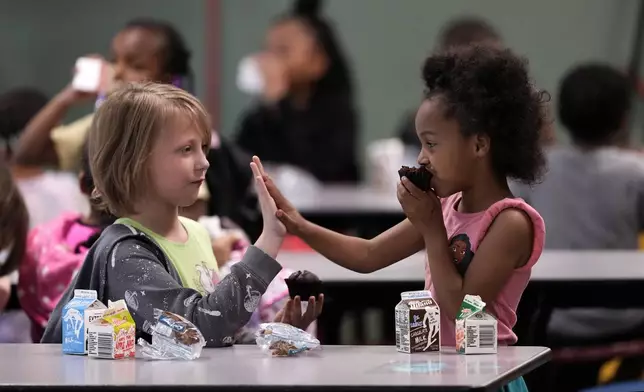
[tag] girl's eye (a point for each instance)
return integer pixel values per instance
(204, 148)
(431, 145)
(186, 149)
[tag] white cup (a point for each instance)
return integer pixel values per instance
(250, 79)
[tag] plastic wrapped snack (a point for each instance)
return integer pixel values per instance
(284, 340)
(173, 337)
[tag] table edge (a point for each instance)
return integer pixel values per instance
(540, 359)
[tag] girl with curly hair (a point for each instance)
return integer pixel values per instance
(479, 124)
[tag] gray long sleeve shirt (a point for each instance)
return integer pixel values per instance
(591, 199)
(126, 262)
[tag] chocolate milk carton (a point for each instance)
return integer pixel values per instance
(476, 330)
(417, 322)
(77, 315)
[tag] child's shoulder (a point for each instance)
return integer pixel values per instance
(520, 215)
(122, 241)
(515, 203)
(516, 211)
(120, 232)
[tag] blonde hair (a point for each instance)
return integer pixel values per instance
(123, 133)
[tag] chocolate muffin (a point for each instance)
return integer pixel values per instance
(418, 176)
(305, 284)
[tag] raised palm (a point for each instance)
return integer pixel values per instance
(269, 209)
(286, 212)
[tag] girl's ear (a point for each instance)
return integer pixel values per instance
(481, 145)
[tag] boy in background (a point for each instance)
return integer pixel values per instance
(592, 198)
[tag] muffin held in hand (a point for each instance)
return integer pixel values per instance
(305, 284)
(418, 176)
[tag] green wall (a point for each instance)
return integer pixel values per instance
(386, 40)
(41, 39)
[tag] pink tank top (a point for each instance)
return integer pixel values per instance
(466, 231)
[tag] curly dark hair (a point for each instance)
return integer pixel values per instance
(488, 91)
(594, 100)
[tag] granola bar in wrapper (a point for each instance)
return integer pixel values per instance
(284, 340)
(173, 337)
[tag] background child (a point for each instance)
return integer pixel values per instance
(307, 105)
(592, 198)
(144, 50)
(147, 154)
(55, 252)
(479, 124)
(593, 193)
(46, 193)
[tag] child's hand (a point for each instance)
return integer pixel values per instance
(272, 226)
(286, 212)
(423, 209)
(275, 77)
(291, 313)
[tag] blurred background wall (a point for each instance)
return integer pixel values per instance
(385, 39)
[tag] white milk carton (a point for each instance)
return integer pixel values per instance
(77, 315)
(476, 330)
(417, 322)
